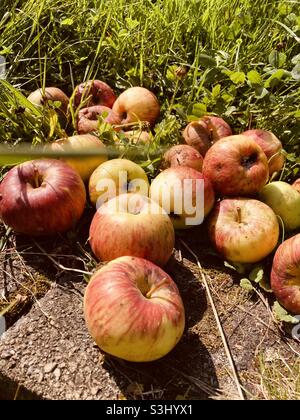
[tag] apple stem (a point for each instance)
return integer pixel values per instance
(36, 177)
(157, 286)
(239, 213)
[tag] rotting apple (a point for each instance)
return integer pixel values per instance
(285, 202)
(285, 274)
(137, 104)
(114, 177)
(217, 127)
(81, 143)
(271, 146)
(185, 194)
(196, 135)
(243, 230)
(236, 165)
(94, 92)
(41, 97)
(133, 310)
(183, 155)
(42, 197)
(132, 224)
(88, 118)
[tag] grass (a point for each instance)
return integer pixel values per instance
(239, 58)
(280, 380)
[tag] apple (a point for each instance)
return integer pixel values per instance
(243, 230)
(183, 155)
(133, 310)
(42, 197)
(196, 135)
(185, 194)
(285, 274)
(41, 97)
(236, 165)
(94, 92)
(296, 184)
(272, 147)
(138, 137)
(131, 224)
(285, 201)
(88, 118)
(216, 127)
(137, 104)
(81, 143)
(115, 177)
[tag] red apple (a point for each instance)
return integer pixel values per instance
(85, 166)
(88, 118)
(243, 230)
(272, 147)
(133, 310)
(183, 155)
(131, 224)
(41, 97)
(94, 92)
(216, 127)
(296, 184)
(236, 165)
(285, 275)
(185, 194)
(137, 104)
(196, 135)
(42, 197)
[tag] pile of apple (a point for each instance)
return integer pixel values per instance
(132, 307)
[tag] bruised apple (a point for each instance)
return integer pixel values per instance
(216, 127)
(272, 147)
(94, 92)
(243, 230)
(236, 165)
(132, 224)
(285, 274)
(183, 155)
(88, 118)
(196, 135)
(42, 197)
(81, 143)
(133, 310)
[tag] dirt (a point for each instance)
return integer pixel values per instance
(49, 354)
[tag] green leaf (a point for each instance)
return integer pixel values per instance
(282, 315)
(274, 78)
(257, 274)
(238, 77)
(246, 284)
(216, 91)
(240, 268)
(296, 72)
(53, 121)
(207, 61)
(254, 78)
(199, 110)
(277, 59)
(296, 59)
(67, 22)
